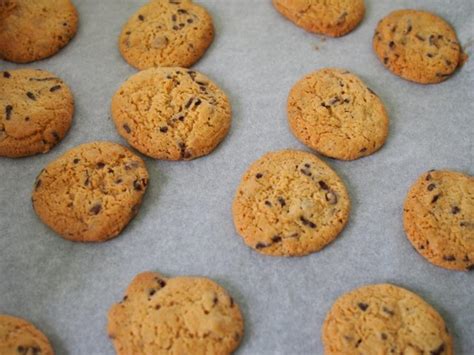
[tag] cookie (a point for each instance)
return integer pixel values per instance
(438, 217)
(90, 193)
(290, 203)
(171, 113)
(333, 18)
(180, 315)
(335, 113)
(166, 33)
(34, 30)
(418, 46)
(36, 109)
(384, 319)
(18, 336)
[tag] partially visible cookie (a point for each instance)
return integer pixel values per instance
(290, 203)
(335, 113)
(418, 46)
(171, 113)
(333, 18)
(91, 192)
(179, 315)
(384, 319)
(18, 336)
(166, 33)
(36, 109)
(438, 217)
(34, 30)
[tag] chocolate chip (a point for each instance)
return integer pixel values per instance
(182, 11)
(323, 185)
(27, 118)
(164, 129)
(448, 62)
(391, 44)
(100, 165)
(137, 185)
(383, 336)
(181, 25)
(197, 102)
(175, 28)
(385, 60)
(31, 95)
(173, 18)
(8, 112)
(306, 172)
(6, 74)
(75, 161)
(363, 306)
(126, 128)
(268, 203)
(231, 302)
(56, 136)
(331, 198)
(409, 29)
(38, 184)
(215, 300)
(470, 267)
(259, 175)
(435, 198)
(455, 210)
(420, 37)
(119, 181)
(55, 88)
(190, 101)
(363, 150)
(161, 282)
(128, 32)
(394, 28)
(429, 55)
(260, 245)
(141, 17)
(307, 222)
(358, 343)
(96, 209)
(189, 20)
(431, 187)
(281, 201)
(449, 257)
(438, 351)
(151, 292)
(276, 239)
(124, 298)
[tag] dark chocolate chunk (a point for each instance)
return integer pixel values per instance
(162, 283)
(268, 203)
(431, 187)
(56, 136)
(276, 239)
(138, 185)
(151, 292)
(358, 343)
(281, 201)
(96, 209)
(409, 29)
(100, 165)
(75, 161)
(455, 210)
(231, 302)
(363, 306)
(174, 18)
(435, 198)
(126, 128)
(449, 258)
(383, 336)
(55, 88)
(164, 129)
(307, 222)
(429, 55)
(420, 37)
(306, 172)
(175, 28)
(260, 245)
(190, 101)
(182, 11)
(323, 185)
(141, 17)
(470, 267)
(438, 351)
(385, 60)
(6, 74)
(30, 95)
(38, 184)
(448, 62)
(391, 44)
(363, 150)
(8, 112)
(259, 175)
(27, 118)
(197, 102)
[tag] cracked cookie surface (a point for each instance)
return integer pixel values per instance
(90, 193)
(328, 17)
(179, 315)
(335, 113)
(34, 30)
(384, 319)
(36, 109)
(166, 33)
(290, 203)
(418, 46)
(171, 113)
(438, 217)
(19, 337)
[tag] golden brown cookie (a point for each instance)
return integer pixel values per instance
(19, 337)
(171, 113)
(333, 18)
(439, 218)
(335, 113)
(35, 29)
(166, 33)
(179, 315)
(418, 46)
(36, 109)
(90, 193)
(384, 319)
(290, 203)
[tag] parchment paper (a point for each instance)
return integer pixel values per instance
(185, 224)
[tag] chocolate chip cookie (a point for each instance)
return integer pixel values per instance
(171, 113)
(166, 33)
(384, 319)
(335, 113)
(36, 109)
(179, 315)
(418, 46)
(438, 217)
(290, 203)
(34, 30)
(90, 193)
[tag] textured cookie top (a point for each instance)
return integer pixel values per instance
(19, 337)
(329, 17)
(171, 113)
(439, 218)
(180, 315)
(36, 109)
(384, 319)
(33, 30)
(90, 193)
(166, 33)
(335, 113)
(290, 203)
(418, 46)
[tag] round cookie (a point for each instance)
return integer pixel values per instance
(34, 30)
(90, 193)
(438, 217)
(166, 33)
(18, 336)
(36, 109)
(418, 46)
(180, 315)
(333, 18)
(171, 113)
(290, 203)
(335, 113)
(384, 319)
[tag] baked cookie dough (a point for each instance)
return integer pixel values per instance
(290, 203)
(171, 113)
(36, 109)
(438, 217)
(90, 193)
(335, 113)
(179, 315)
